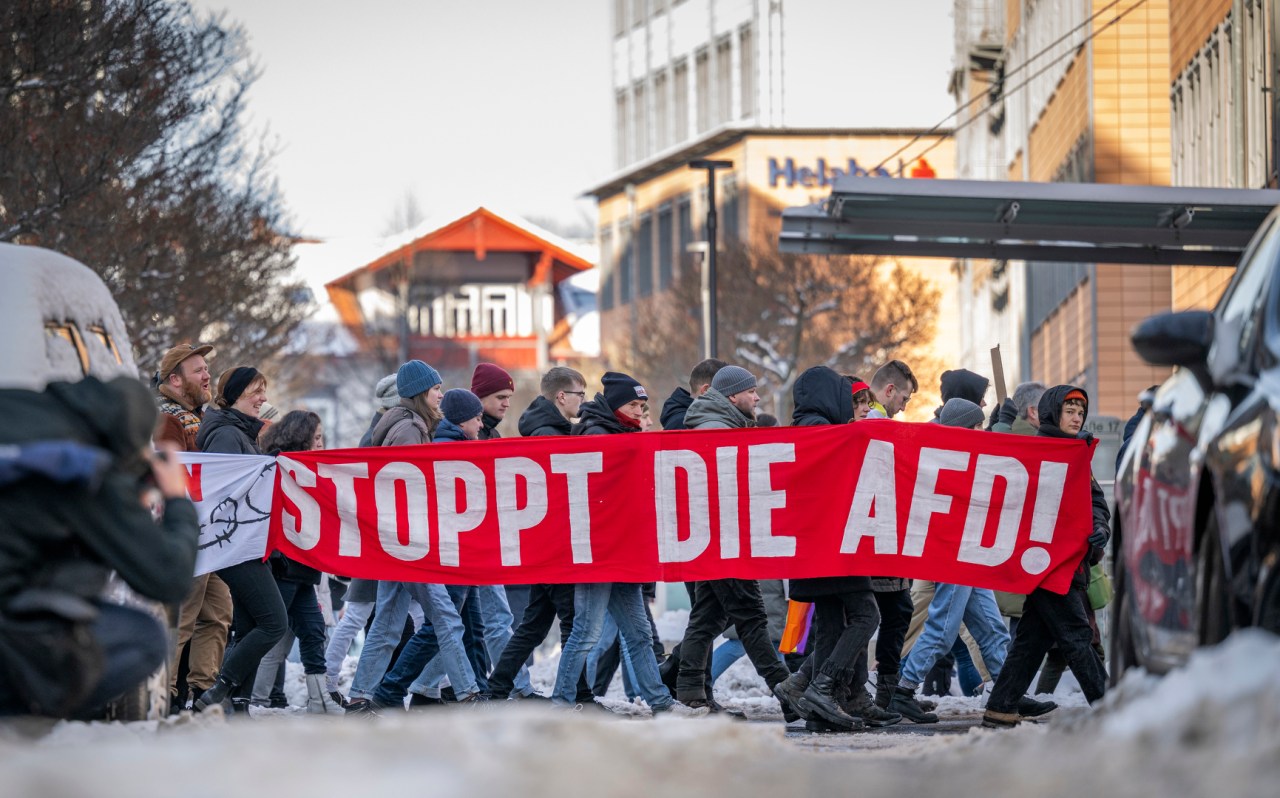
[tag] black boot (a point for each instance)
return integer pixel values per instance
(790, 693)
(220, 693)
(820, 698)
(885, 683)
(862, 707)
(820, 726)
(1030, 708)
(904, 703)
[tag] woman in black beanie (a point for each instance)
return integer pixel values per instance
(232, 427)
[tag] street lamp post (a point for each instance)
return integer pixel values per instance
(709, 343)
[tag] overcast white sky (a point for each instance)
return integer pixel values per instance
(506, 102)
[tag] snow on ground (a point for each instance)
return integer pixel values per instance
(1211, 728)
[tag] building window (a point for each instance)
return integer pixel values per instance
(639, 12)
(644, 257)
(724, 81)
(642, 123)
(619, 17)
(625, 264)
(665, 245)
(729, 227)
(702, 91)
(684, 222)
(661, 111)
(680, 103)
(621, 123)
(747, 71)
(606, 268)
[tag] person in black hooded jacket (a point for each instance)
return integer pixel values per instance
(830, 685)
(260, 615)
(1048, 617)
(677, 404)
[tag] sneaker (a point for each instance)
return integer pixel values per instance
(1030, 708)
(535, 697)
(417, 701)
(337, 698)
(363, 707)
(720, 709)
(679, 710)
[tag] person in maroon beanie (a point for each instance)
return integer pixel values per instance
(495, 388)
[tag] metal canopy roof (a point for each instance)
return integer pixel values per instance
(1075, 222)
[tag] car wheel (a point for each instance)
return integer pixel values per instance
(1213, 608)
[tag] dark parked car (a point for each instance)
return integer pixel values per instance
(1197, 523)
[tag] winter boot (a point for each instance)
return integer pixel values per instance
(904, 703)
(862, 707)
(820, 726)
(1030, 708)
(220, 693)
(790, 693)
(821, 700)
(1000, 720)
(319, 702)
(885, 683)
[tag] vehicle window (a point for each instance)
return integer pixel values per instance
(1237, 314)
(63, 344)
(102, 335)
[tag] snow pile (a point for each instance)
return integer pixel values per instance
(1225, 696)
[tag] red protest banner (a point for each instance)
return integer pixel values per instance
(872, 498)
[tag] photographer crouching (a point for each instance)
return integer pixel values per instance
(77, 473)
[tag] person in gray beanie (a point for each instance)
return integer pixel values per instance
(730, 402)
(463, 416)
(961, 413)
(384, 398)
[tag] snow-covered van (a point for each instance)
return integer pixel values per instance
(58, 322)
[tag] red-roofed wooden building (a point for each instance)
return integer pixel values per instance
(481, 287)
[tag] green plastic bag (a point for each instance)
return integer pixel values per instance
(1099, 591)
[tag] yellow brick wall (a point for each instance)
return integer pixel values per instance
(1131, 111)
(1199, 287)
(1062, 347)
(1012, 18)
(1126, 296)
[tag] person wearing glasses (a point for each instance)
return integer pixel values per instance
(551, 413)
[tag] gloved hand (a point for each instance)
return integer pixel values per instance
(1008, 412)
(1100, 537)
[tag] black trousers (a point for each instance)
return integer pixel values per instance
(1047, 619)
(895, 617)
(261, 620)
(719, 603)
(546, 603)
(842, 627)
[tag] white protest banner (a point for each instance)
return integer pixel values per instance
(232, 494)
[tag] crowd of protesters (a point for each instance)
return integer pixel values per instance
(431, 645)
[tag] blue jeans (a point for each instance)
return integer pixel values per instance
(440, 634)
(729, 652)
(951, 606)
(970, 678)
(382, 638)
(498, 620)
(624, 601)
(607, 637)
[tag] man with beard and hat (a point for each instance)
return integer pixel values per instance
(182, 386)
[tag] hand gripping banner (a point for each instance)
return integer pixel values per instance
(872, 498)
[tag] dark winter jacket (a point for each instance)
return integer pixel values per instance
(229, 432)
(542, 418)
(595, 418)
(68, 537)
(490, 429)
(1130, 427)
(362, 590)
(367, 438)
(674, 408)
(1050, 411)
(446, 431)
(821, 397)
(713, 410)
(400, 426)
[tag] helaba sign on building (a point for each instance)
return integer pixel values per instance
(823, 174)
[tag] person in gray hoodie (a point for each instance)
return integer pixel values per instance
(730, 403)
